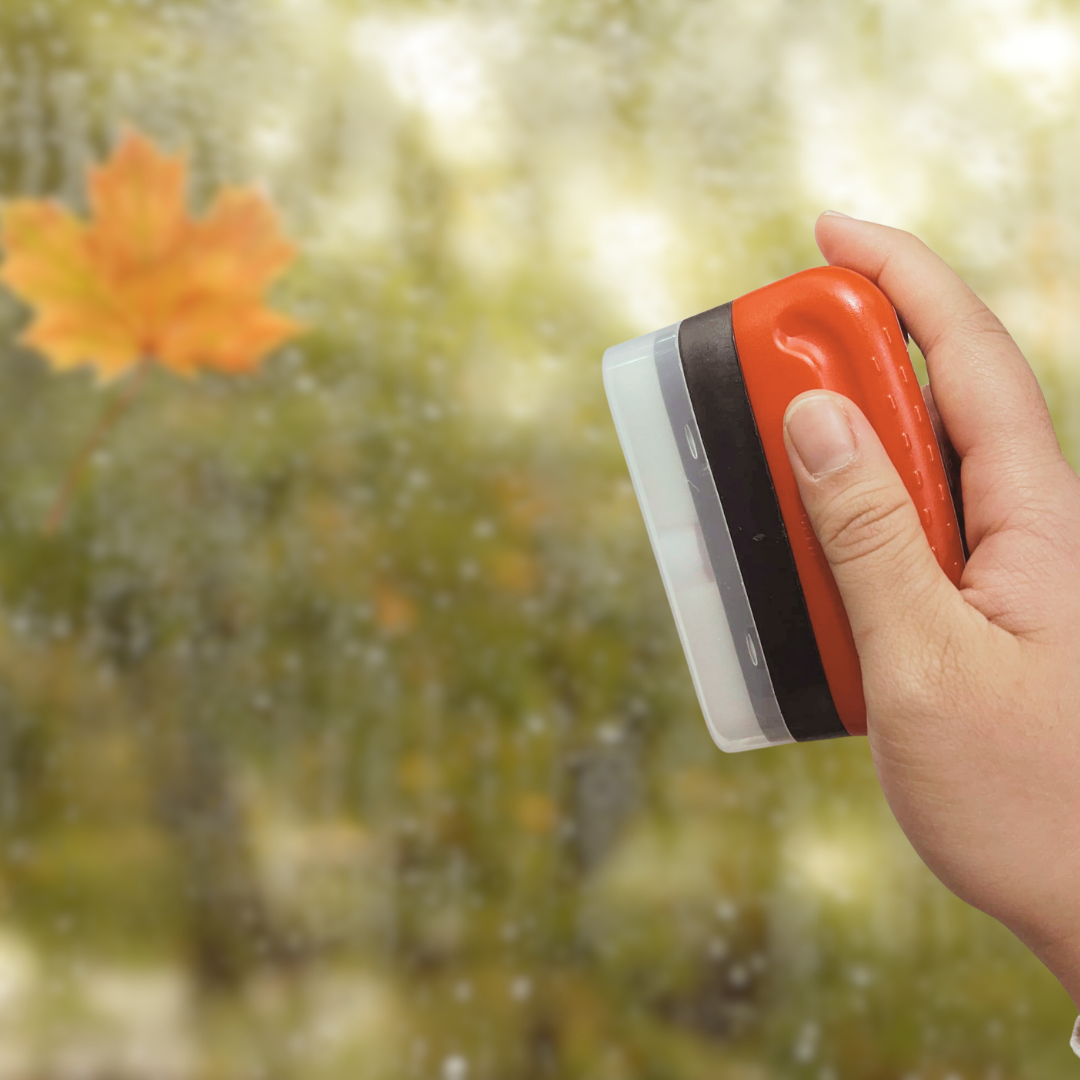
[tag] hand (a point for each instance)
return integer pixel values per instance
(973, 695)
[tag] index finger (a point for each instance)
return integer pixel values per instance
(990, 402)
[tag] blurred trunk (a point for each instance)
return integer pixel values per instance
(229, 929)
(182, 737)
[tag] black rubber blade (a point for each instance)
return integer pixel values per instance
(729, 434)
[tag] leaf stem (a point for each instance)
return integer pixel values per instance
(109, 419)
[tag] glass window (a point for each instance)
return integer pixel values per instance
(344, 730)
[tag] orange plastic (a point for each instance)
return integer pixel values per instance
(832, 329)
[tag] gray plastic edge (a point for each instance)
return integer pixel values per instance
(717, 537)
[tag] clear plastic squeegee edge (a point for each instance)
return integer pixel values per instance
(642, 378)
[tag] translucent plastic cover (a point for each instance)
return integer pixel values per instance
(684, 518)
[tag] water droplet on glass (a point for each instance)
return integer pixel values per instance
(455, 1068)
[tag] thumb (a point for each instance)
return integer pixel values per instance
(868, 527)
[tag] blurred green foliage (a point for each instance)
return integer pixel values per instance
(344, 731)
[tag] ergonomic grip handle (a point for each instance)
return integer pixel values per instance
(830, 328)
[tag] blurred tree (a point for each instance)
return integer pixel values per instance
(344, 731)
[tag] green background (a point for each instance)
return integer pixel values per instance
(344, 731)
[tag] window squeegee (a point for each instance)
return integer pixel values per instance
(699, 410)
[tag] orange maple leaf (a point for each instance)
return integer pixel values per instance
(143, 279)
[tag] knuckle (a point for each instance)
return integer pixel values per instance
(980, 322)
(866, 522)
(907, 237)
(912, 246)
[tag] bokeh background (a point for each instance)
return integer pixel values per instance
(344, 731)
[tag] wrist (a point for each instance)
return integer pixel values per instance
(1062, 959)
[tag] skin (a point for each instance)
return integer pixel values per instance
(973, 695)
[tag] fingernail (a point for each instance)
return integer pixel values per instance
(835, 213)
(820, 432)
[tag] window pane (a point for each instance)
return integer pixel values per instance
(344, 731)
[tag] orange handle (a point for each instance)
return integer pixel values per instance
(830, 328)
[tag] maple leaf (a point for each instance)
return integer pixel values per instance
(143, 279)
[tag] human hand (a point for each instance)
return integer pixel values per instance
(973, 695)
